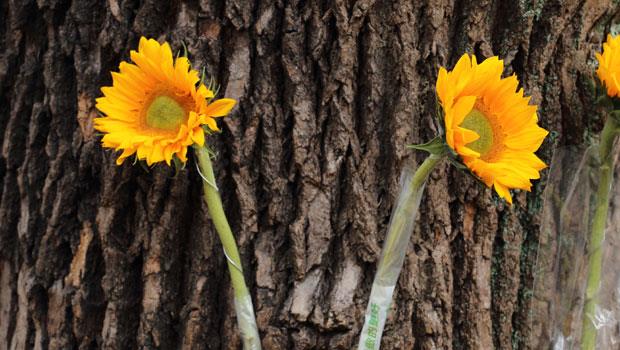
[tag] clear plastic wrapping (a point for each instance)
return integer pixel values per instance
(391, 260)
(561, 271)
(247, 323)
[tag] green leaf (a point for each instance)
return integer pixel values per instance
(457, 164)
(616, 115)
(604, 101)
(144, 166)
(178, 165)
(184, 49)
(439, 116)
(591, 84)
(600, 89)
(208, 131)
(553, 136)
(203, 75)
(436, 146)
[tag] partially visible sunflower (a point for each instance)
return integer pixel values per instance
(155, 107)
(490, 125)
(609, 65)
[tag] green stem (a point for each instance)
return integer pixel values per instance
(597, 234)
(216, 211)
(403, 212)
(243, 302)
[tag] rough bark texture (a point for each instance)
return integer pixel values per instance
(330, 92)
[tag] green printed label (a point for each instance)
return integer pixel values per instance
(373, 323)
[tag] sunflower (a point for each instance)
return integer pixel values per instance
(490, 125)
(609, 65)
(155, 107)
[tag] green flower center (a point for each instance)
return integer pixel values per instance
(165, 113)
(479, 123)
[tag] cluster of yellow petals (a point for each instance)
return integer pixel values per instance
(155, 107)
(490, 125)
(609, 65)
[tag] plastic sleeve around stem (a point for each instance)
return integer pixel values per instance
(597, 234)
(393, 253)
(242, 300)
(247, 323)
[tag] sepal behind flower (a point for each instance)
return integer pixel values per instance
(616, 115)
(436, 146)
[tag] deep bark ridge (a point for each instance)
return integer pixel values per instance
(98, 256)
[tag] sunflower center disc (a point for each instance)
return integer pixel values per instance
(479, 123)
(165, 113)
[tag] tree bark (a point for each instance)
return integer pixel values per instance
(330, 92)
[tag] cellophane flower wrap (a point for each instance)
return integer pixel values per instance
(561, 268)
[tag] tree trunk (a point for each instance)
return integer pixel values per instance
(330, 92)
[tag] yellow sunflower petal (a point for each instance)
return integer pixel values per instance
(527, 139)
(157, 154)
(462, 107)
(467, 152)
(212, 124)
(135, 73)
(182, 154)
(465, 136)
(168, 153)
(127, 152)
(462, 71)
(609, 65)
(167, 61)
(442, 86)
(515, 181)
(503, 192)
(204, 93)
(116, 97)
(486, 72)
(220, 107)
(198, 135)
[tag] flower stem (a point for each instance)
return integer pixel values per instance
(393, 254)
(597, 233)
(243, 300)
